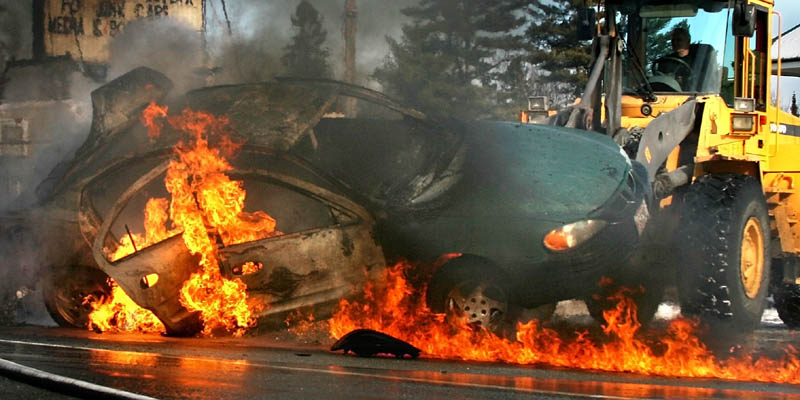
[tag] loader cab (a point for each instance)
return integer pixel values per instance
(728, 54)
(656, 61)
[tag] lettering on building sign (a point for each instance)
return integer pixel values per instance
(158, 8)
(68, 22)
(111, 9)
(109, 27)
(65, 25)
(151, 10)
(110, 18)
(70, 7)
(86, 27)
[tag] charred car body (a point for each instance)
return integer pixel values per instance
(537, 214)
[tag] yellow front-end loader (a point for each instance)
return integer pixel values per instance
(687, 88)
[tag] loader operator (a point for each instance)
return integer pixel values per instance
(678, 64)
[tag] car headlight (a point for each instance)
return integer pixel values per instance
(571, 235)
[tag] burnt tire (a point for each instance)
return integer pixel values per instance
(724, 261)
(787, 303)
(647, 297)
(474, 289)
(64, 290)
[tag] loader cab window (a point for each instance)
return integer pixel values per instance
(675, 48)
(729, 69)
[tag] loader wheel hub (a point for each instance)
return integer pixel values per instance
(752, 257)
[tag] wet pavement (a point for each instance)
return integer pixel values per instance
(274, 365)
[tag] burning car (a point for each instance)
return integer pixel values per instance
(535, 214)
(318, 248)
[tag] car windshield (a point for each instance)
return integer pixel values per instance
(677, 47)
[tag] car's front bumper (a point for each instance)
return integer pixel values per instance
(576, 272)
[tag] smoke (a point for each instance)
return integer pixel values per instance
(54, 95)
(268, 26)
(250, 51)
(15, 32)
(164, 45)
(259, 31)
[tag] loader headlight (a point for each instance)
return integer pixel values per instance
(742, 123)
(743, 104)
(571, 235)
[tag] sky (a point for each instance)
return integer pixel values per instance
(790, 13)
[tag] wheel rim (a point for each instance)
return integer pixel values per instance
(478, 306)
(752, 258)
(73, 301)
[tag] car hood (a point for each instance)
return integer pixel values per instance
(541, 171)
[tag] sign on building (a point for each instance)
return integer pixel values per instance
(14, 138)
(84, 28)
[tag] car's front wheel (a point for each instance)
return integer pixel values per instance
(724, 260)
(473, 289)
(68, 292)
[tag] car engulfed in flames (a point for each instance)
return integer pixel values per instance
(165, 201)
(233, 205)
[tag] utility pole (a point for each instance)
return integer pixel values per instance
(350, 19)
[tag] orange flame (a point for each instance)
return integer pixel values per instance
(303, 325)
(120, 313)
(251, 267)
(207, 204)
(396, 308)
(155, 222)
(207, 207)
(150, 119)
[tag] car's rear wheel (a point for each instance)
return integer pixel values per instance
(723, 269)
(68, 292)
(787, 303)
(473, 289)
(645, 295)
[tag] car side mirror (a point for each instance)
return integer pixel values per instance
(586, 23)
(744, 19)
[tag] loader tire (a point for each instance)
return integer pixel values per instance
(724, 260)
(787, 303)
(66, 289)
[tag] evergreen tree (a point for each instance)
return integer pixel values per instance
(473, 59)
(305, 56)
(444, 61)
(554, 48)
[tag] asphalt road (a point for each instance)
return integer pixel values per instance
(272, 366)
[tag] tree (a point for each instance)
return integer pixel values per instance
(793, 108)
(554, 50)
(444, 61)
(305, 56)
(484, 58)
